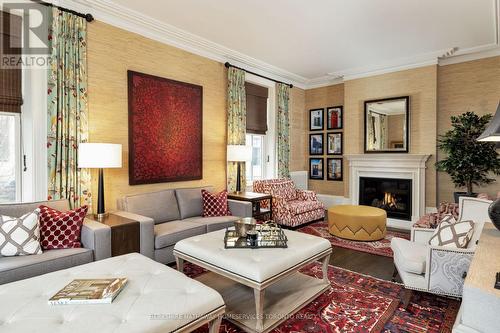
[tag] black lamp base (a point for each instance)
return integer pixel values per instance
(101, 212)
(238, 178)
(494, 213)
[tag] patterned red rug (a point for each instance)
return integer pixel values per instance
(361, 304)
(381, 247)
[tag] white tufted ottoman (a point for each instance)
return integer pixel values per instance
(277, 290)
(156, 299)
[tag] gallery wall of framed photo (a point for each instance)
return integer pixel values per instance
(326, 143)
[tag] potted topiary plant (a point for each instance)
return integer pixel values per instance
(469, 162)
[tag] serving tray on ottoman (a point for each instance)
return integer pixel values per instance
(261, 287)
(268, 236)
(156, 298)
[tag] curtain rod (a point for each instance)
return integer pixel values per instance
(88, 17)
(227, 64)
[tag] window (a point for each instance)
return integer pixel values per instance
(260, 129)
(23, 150)
(10, 166)
(255, 168)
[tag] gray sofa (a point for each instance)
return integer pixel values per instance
(169, 216)
(95, 237)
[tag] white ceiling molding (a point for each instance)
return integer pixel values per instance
(449, 53)
(130, 20)
(324, 81)
(395, 65)
(494, 51)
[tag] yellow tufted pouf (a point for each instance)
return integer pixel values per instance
(361, 223)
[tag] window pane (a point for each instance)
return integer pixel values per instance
(257, 157)
(255, 166)
(248, 169)
(7, 158)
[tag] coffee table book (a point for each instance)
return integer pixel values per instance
(89, 291)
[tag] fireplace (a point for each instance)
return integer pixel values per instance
(410, 167)
(394, 195)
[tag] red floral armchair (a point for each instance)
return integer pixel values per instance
(291, 207)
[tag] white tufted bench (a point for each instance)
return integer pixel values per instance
(156, 299)
(272, 273)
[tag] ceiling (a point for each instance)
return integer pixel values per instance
(312, 39)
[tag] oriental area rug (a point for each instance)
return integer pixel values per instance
(357, 303)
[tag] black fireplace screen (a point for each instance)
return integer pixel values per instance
(391, 194)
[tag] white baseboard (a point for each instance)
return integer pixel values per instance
(332, 200)
(399, 224)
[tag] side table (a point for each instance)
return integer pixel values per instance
(125, 234)
(258, 211)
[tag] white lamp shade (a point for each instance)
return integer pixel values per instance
(238, 153)
(99, 155)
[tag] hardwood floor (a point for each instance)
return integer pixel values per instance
(364, 263)
(361, 262)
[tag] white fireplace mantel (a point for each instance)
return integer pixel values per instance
(400, 166)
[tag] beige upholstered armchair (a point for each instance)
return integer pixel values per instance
(435, 269)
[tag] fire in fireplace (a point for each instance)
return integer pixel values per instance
(390, 201)
(391, 194)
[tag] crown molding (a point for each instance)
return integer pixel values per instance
(450, 56)
(117, 15)
(492, 50)
(324, 81)
(394, 66)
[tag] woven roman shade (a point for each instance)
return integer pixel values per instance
(10, 76)
(256, 108)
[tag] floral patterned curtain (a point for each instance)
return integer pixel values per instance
(67, 108)
(283, 130)
(236, 122)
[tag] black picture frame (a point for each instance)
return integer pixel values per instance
(408, 129)
(340, 122)
(334, 134)
(313, 119)
(329, 174)
(316, 173)
(316, 149)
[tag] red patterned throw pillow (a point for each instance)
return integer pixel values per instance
(61, 230)
(215, 204)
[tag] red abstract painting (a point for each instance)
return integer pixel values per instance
(165, 130)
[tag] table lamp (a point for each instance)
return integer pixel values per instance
(100, 156)
(238, 154)
(492, 134)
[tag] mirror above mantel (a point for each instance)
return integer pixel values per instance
(386, 125)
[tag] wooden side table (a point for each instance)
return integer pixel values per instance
(258, 212)
(125, 234)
